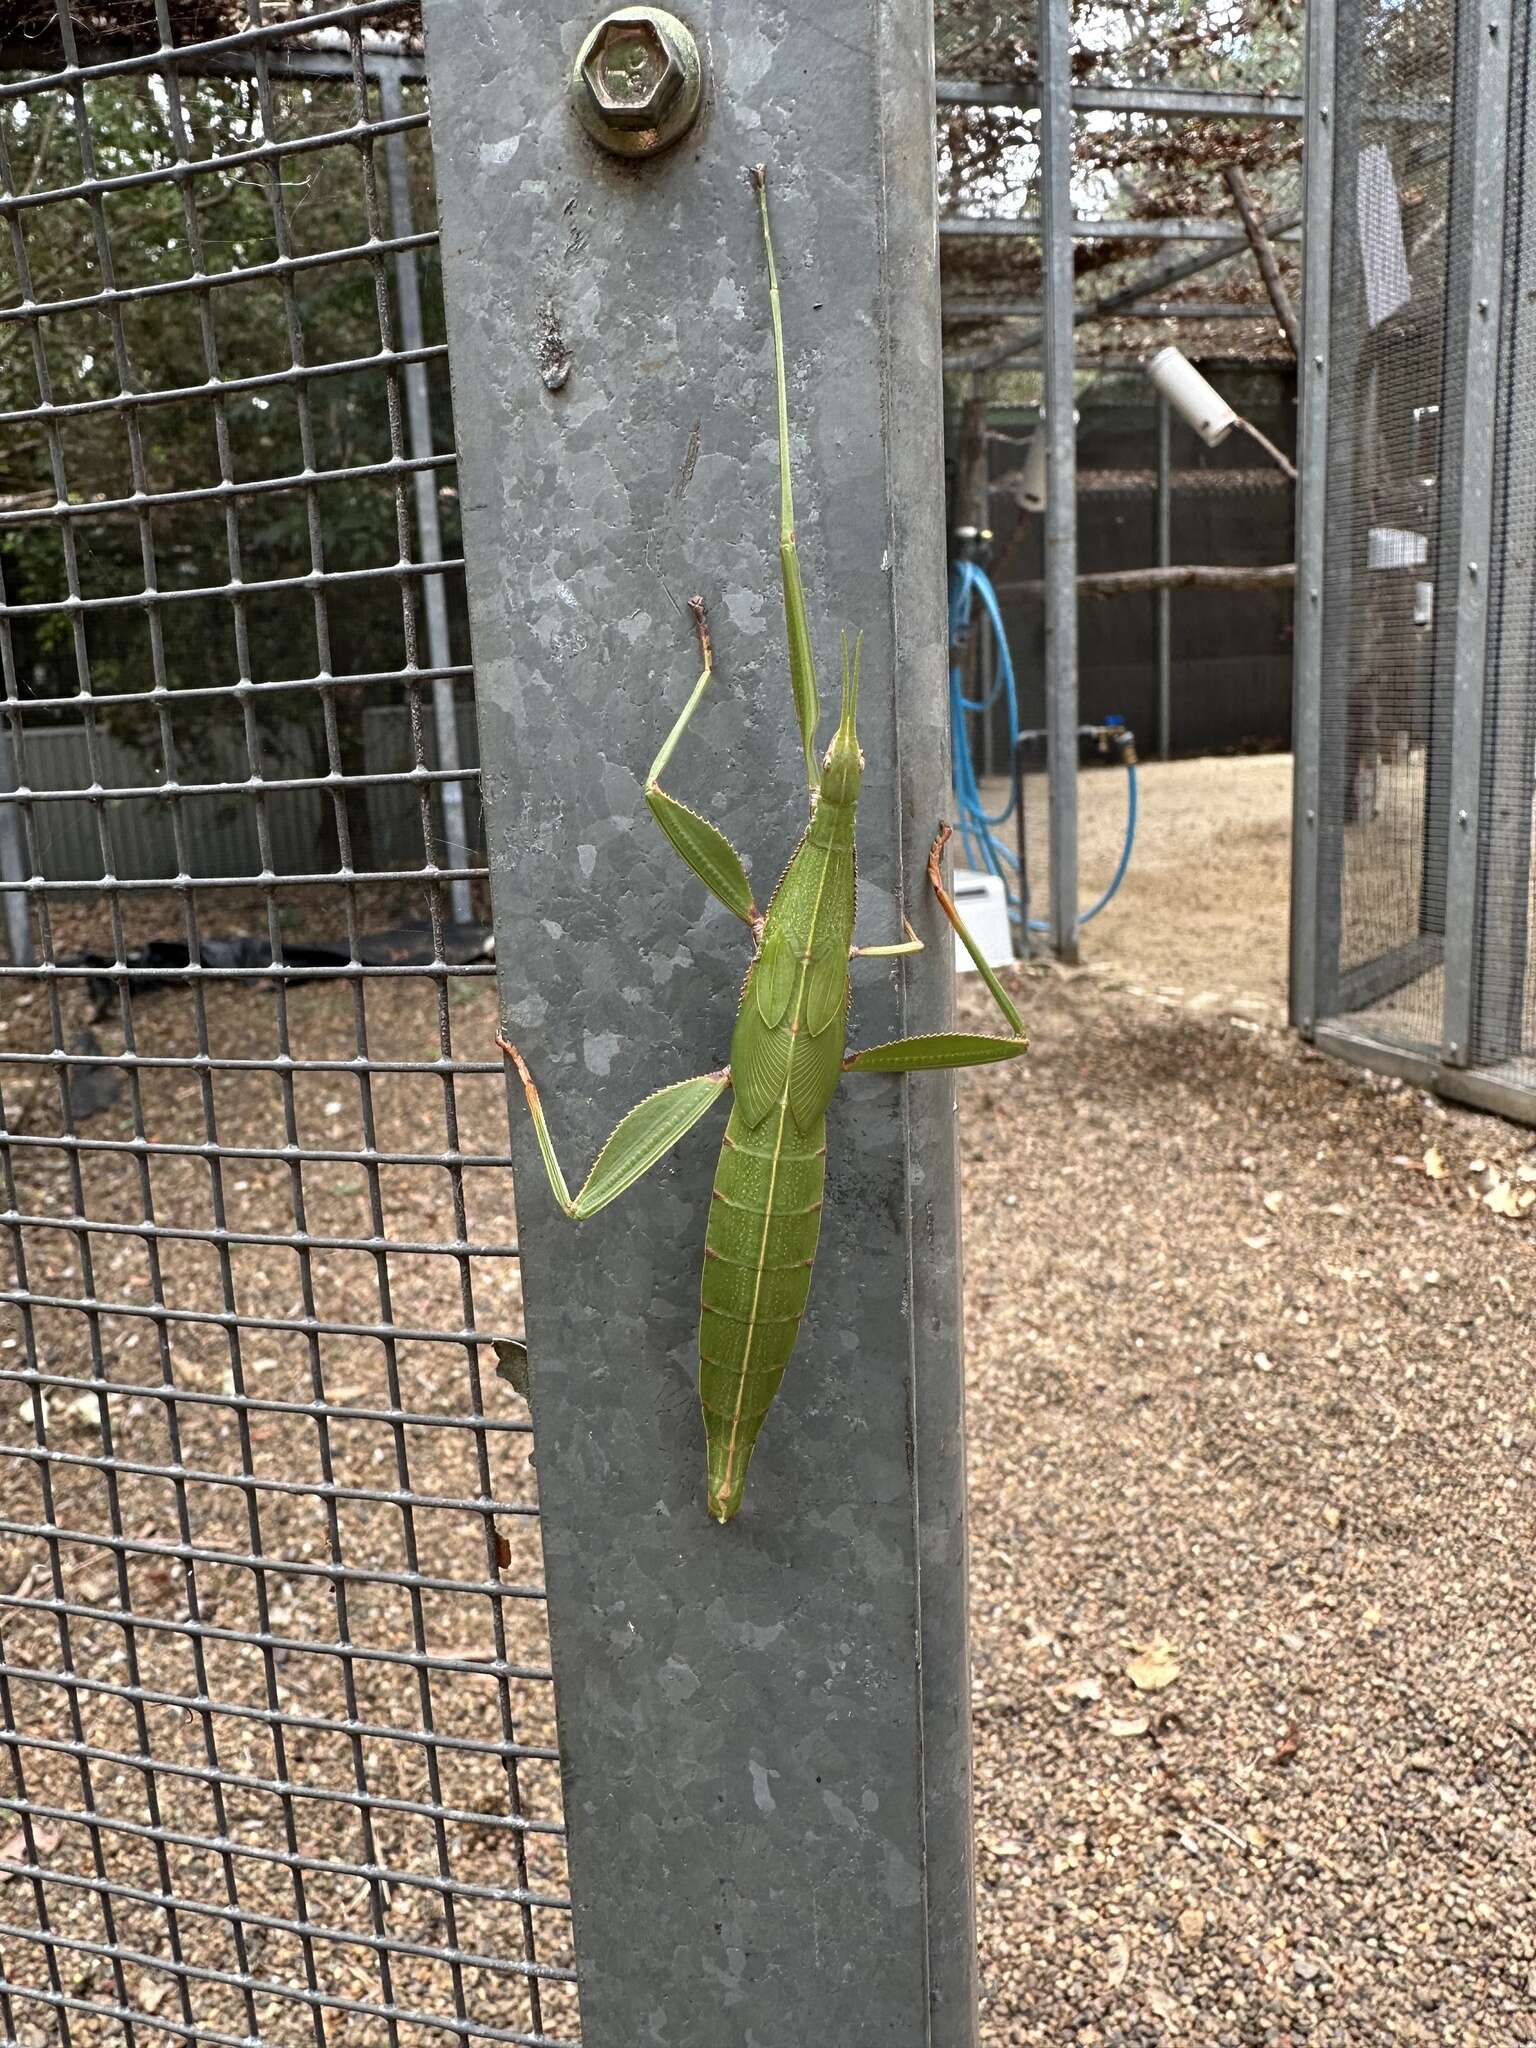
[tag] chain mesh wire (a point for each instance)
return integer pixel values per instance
(1505, 1011)
(1384, 739)
(275, 1708)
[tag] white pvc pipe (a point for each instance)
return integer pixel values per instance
(1033, 485)
(1191, 396)
(1032, 476)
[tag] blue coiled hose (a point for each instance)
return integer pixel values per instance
(984, 850)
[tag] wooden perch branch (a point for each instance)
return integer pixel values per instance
(1264, 254)
(1183, 576)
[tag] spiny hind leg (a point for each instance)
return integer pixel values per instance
(703, 846)
(651, 1128)
(947, 1048)
(910, 944)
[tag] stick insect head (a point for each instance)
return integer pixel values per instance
(843, 769)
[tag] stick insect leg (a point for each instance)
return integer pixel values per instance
(706, 849)
(910, 944)
(651, 1128)
(802, 662)
(947, 1048)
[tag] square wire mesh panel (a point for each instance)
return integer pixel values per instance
(275, 1708)
(1385, 730)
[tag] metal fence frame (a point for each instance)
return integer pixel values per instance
(1477, 764)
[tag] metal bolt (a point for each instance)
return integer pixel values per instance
(637, 81)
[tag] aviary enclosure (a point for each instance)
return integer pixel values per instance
(292, 769)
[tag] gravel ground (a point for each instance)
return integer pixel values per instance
(397, 1424)
(1252, 1423)
(1204, 904)
(1250, 1414)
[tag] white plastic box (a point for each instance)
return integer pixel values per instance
(981, 901)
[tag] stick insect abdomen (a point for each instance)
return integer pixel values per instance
(764, 1223)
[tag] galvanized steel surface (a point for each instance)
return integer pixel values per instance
(765, 1725)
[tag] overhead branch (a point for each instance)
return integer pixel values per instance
(1146, 284)
(1264, 256)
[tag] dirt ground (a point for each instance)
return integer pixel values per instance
(1251, 1420)
(1202, 911)
(1252, 1426)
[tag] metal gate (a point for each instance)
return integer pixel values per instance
(1416, 695)
(279, 1759)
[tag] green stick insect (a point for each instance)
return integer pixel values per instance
(788, 1049)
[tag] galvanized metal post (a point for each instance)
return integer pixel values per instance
(1164, 597)
(765, 1728)
(1311, 510)
(1057, 272)
(1474, 296)
(429, 532)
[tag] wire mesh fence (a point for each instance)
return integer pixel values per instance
(275, 1706)
(1414, 941)
(1387, 862)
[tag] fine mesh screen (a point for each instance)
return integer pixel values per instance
(275, 1712)
(1505, 1012)
(1383, 740)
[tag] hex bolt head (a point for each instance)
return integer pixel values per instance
(637, 81)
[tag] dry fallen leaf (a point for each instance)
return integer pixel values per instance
(1118, 1956)
(1153, 1667)
(1434, 1163)
(14, 1848)
(1165, 2008)
(1123, 1725)
(1502, 1200)
(1085, 1689)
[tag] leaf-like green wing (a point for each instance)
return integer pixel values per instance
(935, 1049)
(827, 989)
(813, 1078)
(707, 851)
(759, 1065)
(773, 978)
(651, 1128)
